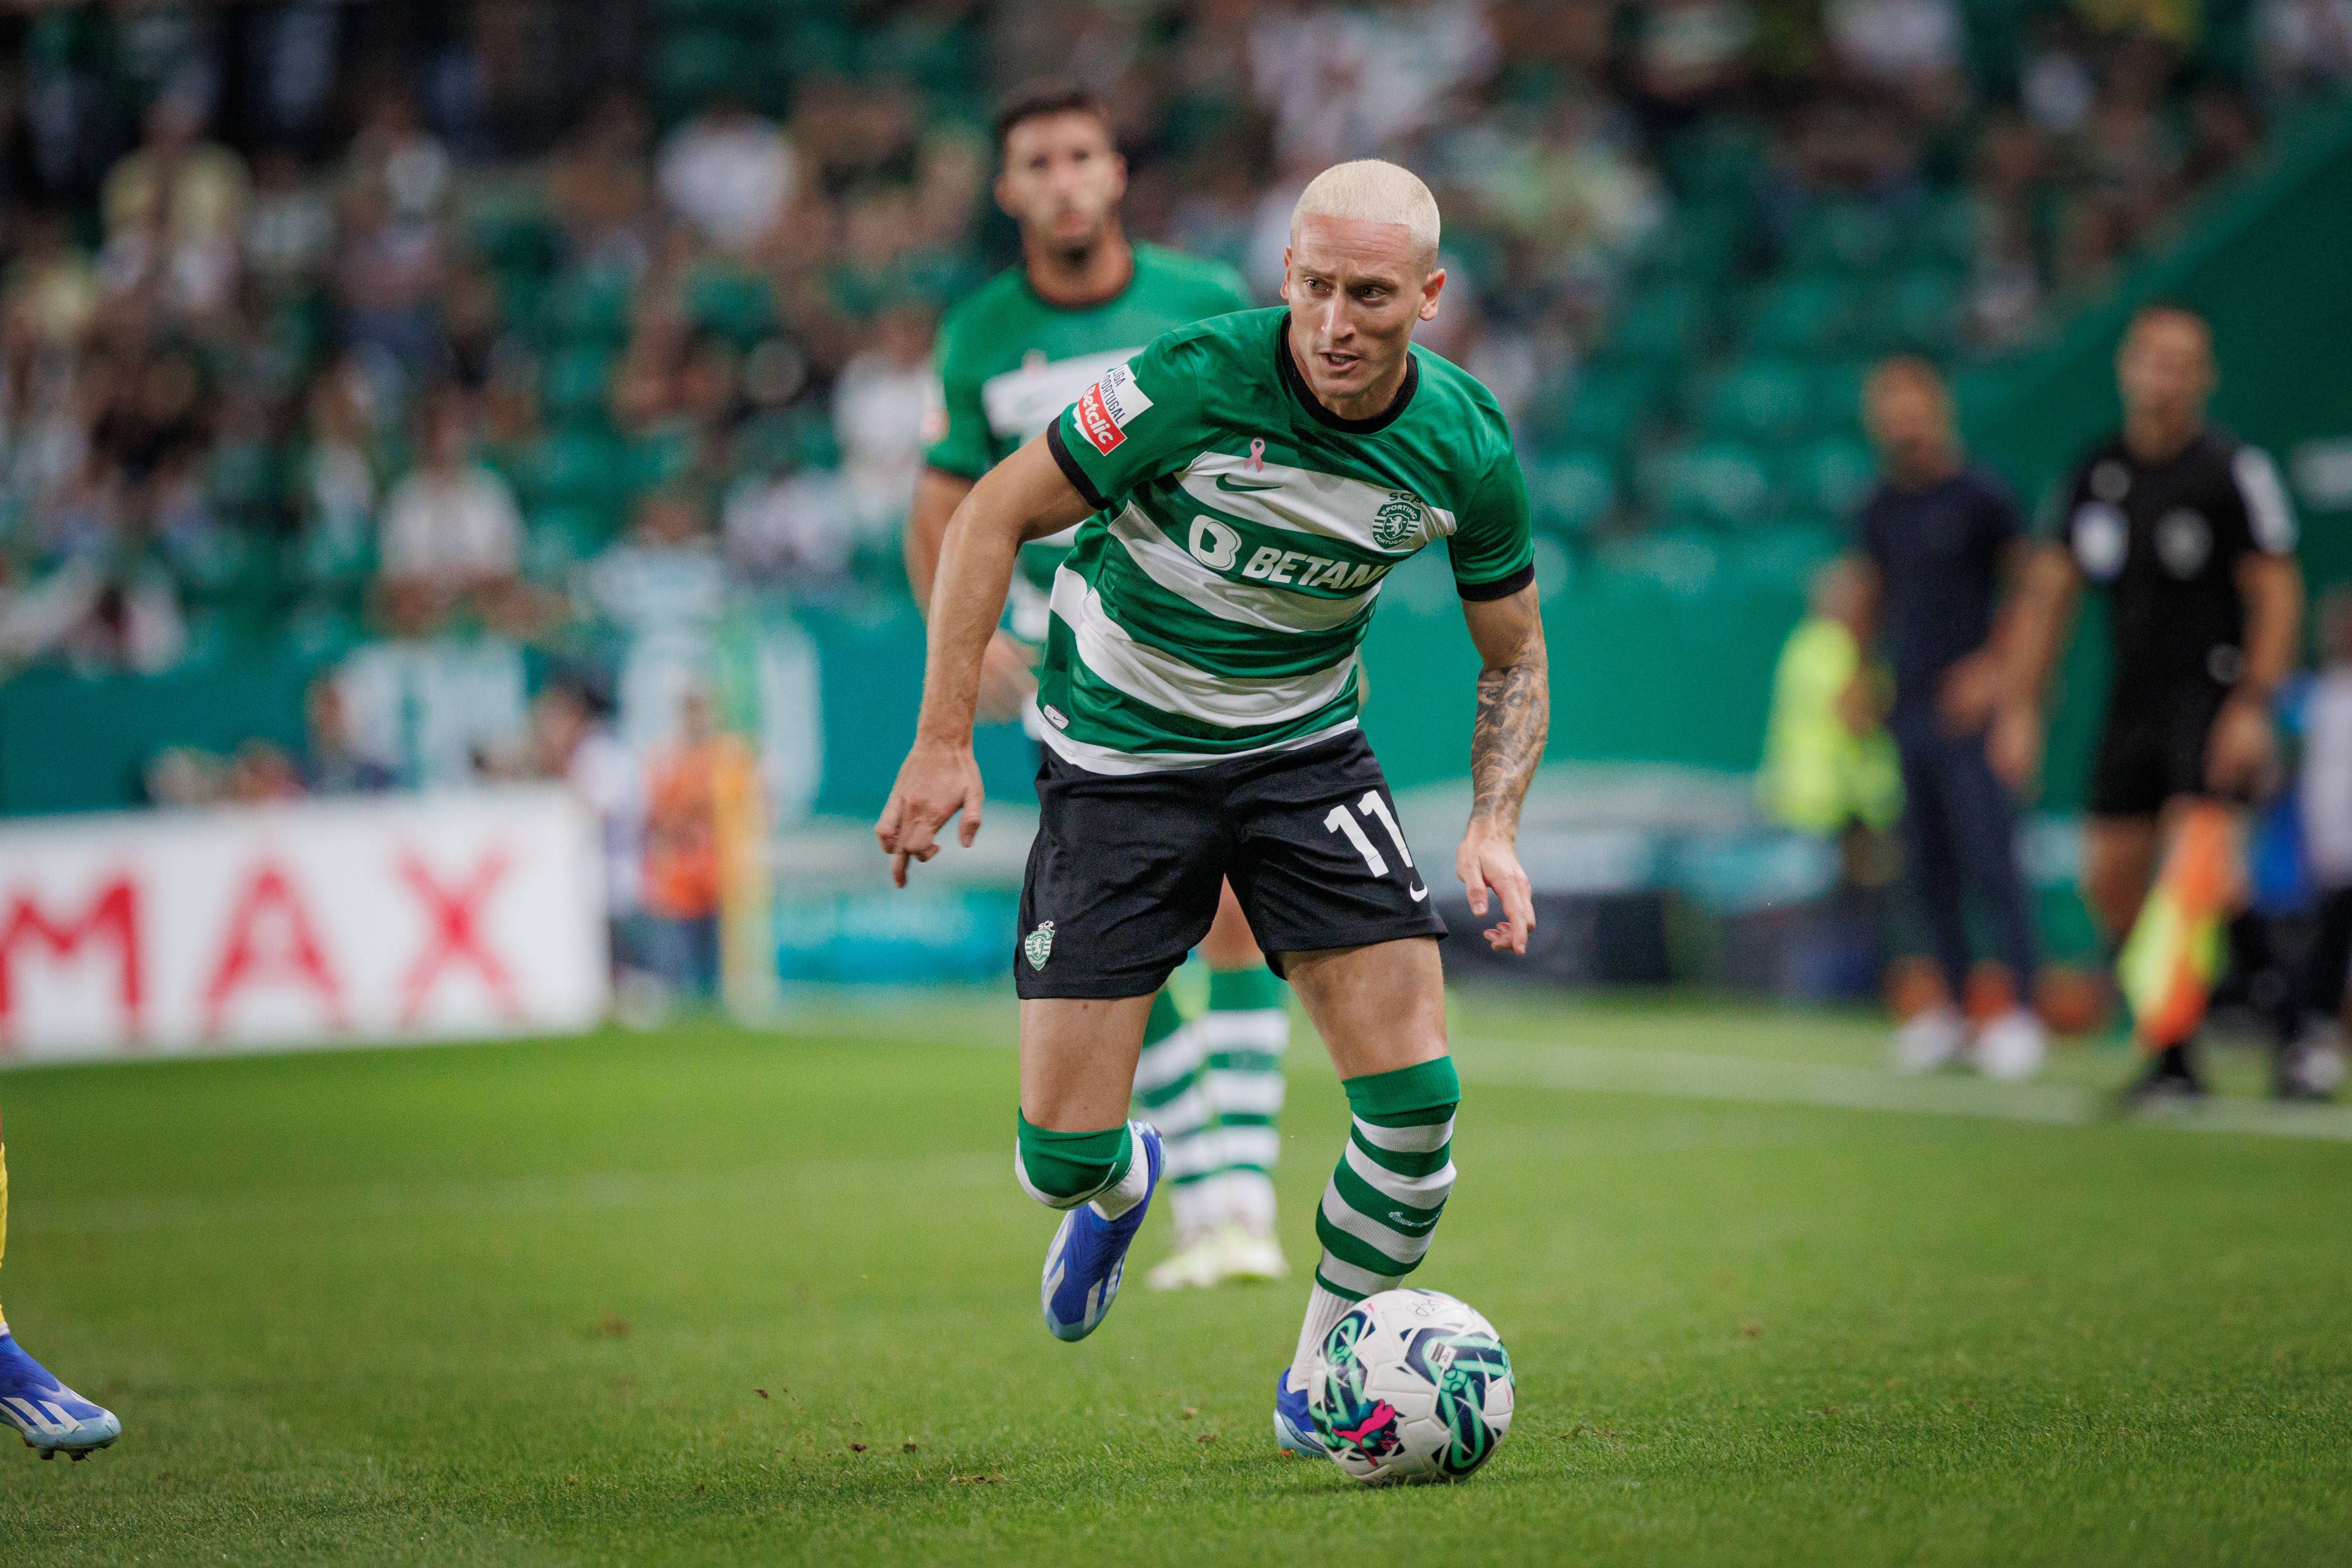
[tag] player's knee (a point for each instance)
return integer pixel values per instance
(1063, 1170)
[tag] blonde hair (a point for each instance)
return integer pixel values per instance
(1375, 191)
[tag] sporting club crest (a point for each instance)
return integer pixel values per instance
(1039, 944)
(1402, 520)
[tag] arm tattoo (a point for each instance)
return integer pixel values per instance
(1506, 741)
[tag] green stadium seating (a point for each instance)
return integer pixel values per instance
(559, 539)
(1570, 494)
(734, 303)
(572, 384)
(1805, 313)
(1762, 400)
(1716, 484)
(1782, 557)
(573, 468)
(1661, 322)
(1828, 477)
(588, 306)
(1837, 394)
(1920, 313)
(1849, 236)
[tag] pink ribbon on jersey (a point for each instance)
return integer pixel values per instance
(1258, 455)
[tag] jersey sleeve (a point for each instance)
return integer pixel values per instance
(1492, 547)
(1136, 422)
(955, 423)
(2269, 515)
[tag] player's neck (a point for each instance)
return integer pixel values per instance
(2158, 438)
(1074, 279)
(1927, 470)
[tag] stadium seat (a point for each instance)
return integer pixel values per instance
(1663, 322)
(1836, 399)
(558, 540)
(588, 306)
(572, 382)
(1682, 562)
(1782, 557)
(1718, 484)
(1602, 408)
(1847, 237)
(571, 466)
(657, 458)
(1571, 493)
(1829, 477)
(1806, 313)
(691, 67)
(734, 303)
(1761, 400)
(1920, 314)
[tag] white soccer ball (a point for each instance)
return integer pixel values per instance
(1411, 1386)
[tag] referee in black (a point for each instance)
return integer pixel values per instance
(2189, 536)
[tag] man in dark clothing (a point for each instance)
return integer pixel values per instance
(1940, 537)
(2188, 536)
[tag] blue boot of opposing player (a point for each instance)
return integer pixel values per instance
(1088, 1256)
(1293, 1425)
(52, 1417)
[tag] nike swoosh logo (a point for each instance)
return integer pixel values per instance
(1419, 894)
(1225, 482)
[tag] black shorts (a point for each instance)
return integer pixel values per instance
(2152, 748)
(1123, 877)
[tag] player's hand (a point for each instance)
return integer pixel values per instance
(2238, 753)
(1970, 693)
(1008, 677)
(2013, 747)
(1488, 864)
(936, 781)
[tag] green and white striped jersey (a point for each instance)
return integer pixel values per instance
(1214, 605)
(1007, 361)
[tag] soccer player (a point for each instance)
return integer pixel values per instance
(1242, 486)
(1939, 539)
(53, 1418)
(1009, 359)
(2189, 536)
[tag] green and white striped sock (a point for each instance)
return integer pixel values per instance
(1243, 1035)
(1170, 1095)
(1384, 1197)
(1381, 1205)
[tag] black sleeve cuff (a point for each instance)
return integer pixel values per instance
(1500, 588)
(1070, 469)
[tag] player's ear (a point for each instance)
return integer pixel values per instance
(1286, 274)
(1433, 286)
(1118, 175)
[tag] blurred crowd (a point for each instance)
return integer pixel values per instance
(342, 322)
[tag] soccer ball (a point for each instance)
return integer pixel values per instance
(1412, 1387)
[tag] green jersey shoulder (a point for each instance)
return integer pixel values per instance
(1007, 361)
(1214, 605)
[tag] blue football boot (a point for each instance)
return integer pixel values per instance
(1293, 1425)
(1089, 1253)
(53, 1417)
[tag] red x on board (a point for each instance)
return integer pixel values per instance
(454, 913)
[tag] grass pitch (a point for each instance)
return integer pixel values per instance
(718, 1297)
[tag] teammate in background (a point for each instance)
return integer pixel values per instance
(2190, 535)
(1009, 359)
(1244, 485)
(53, 1418)
(1937, 538)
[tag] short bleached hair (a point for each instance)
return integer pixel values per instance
(1375, 191)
